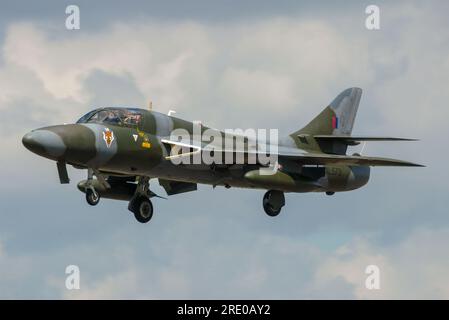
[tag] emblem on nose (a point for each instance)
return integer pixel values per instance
(108, 137)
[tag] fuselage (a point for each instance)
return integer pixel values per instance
(130, 143)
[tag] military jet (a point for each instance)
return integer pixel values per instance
(123, 148)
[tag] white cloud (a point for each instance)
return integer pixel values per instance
(414, 268)
(276, 267)
(155, 58)
(286, 64)
(273, 64)
(122, 285)
(256, 88)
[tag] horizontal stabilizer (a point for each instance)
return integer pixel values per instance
(359, 138)
(354, 140)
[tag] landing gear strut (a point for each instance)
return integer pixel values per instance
(273, 201)
(141, 204)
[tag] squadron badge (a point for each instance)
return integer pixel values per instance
(108, 137)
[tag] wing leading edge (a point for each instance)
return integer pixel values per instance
(291, 154)
(328, 159)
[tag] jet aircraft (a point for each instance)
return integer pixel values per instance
(123, 148)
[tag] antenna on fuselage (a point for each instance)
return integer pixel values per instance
(150, 105)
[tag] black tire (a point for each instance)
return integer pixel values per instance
(143, 209)
(330, 193)
(92, 197)
(269, 210)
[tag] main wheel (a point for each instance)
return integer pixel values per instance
(92, 197)
(268, 205)
(143, 209)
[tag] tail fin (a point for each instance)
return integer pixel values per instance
(336, 119)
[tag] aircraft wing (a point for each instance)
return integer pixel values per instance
(331, 159)
(291, 154)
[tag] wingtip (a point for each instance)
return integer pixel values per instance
(421, 165)
(403, 139)
(418, 165)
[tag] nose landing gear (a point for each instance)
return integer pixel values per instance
(92, 196)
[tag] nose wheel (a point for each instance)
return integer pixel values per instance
(142, 208)
(92, 197)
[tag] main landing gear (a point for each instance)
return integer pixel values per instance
(142, 208)
(273, 201)
(141, 204)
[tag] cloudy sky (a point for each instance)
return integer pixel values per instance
(256, 64)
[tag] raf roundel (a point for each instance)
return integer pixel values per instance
(335, 122)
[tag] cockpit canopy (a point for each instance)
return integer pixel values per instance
(126, 117)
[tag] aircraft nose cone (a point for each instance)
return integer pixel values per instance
(27, 140)
(30, 143)
(44, 143)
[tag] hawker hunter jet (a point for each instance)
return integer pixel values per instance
(123, 148)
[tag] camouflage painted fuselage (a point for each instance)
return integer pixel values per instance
(118, 150)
